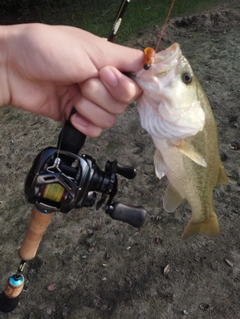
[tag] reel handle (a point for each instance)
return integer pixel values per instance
(133, 215)
(38, 224)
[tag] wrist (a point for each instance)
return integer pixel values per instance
(4, 85)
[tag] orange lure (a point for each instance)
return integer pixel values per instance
(149, 54)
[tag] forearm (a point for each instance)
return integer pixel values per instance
(4, 85)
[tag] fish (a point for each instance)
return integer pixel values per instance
(175, 111)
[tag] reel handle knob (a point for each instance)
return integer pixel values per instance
(133, 215)
(126, 171)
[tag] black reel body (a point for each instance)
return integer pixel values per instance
(54, 186)
(60, 181)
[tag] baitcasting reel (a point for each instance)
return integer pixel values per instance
(61, 181)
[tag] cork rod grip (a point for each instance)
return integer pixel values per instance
(36, 229)
(11, 291)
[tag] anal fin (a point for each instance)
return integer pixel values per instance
(171, 199)
(160, 167)
(208, 227)
(189, 151)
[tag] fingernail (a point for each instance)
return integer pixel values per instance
(109, 77)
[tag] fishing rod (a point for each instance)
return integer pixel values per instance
(55, 184)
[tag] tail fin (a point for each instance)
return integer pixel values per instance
(208, 227)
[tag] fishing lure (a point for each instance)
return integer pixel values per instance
(149, 55)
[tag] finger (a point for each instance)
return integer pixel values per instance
(121, 87)
(95, 91)
(93, 112)
(84, 126)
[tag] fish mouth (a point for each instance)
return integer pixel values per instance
(173, 53)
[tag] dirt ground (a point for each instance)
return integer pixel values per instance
(101, 268)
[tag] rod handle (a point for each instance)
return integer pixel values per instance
(9, 298)
(38, 224)
(8, 304)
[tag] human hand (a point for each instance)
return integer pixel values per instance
(49, 69)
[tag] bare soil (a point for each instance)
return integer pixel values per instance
(101, 268)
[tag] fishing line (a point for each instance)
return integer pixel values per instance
(60, 140)
(164, 26)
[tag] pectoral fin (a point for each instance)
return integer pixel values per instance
(190, 152)
(222, 176)
(171, 199)
(160, 167)
(208, 227)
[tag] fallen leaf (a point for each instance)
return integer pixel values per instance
(229, 262)
(166, 270)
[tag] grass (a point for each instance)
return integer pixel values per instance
(97, 16)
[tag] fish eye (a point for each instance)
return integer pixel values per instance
(187, 78)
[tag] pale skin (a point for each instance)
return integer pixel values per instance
(49, 69)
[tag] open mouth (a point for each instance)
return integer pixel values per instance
(170, 54)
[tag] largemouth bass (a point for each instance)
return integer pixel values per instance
(175, 111)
